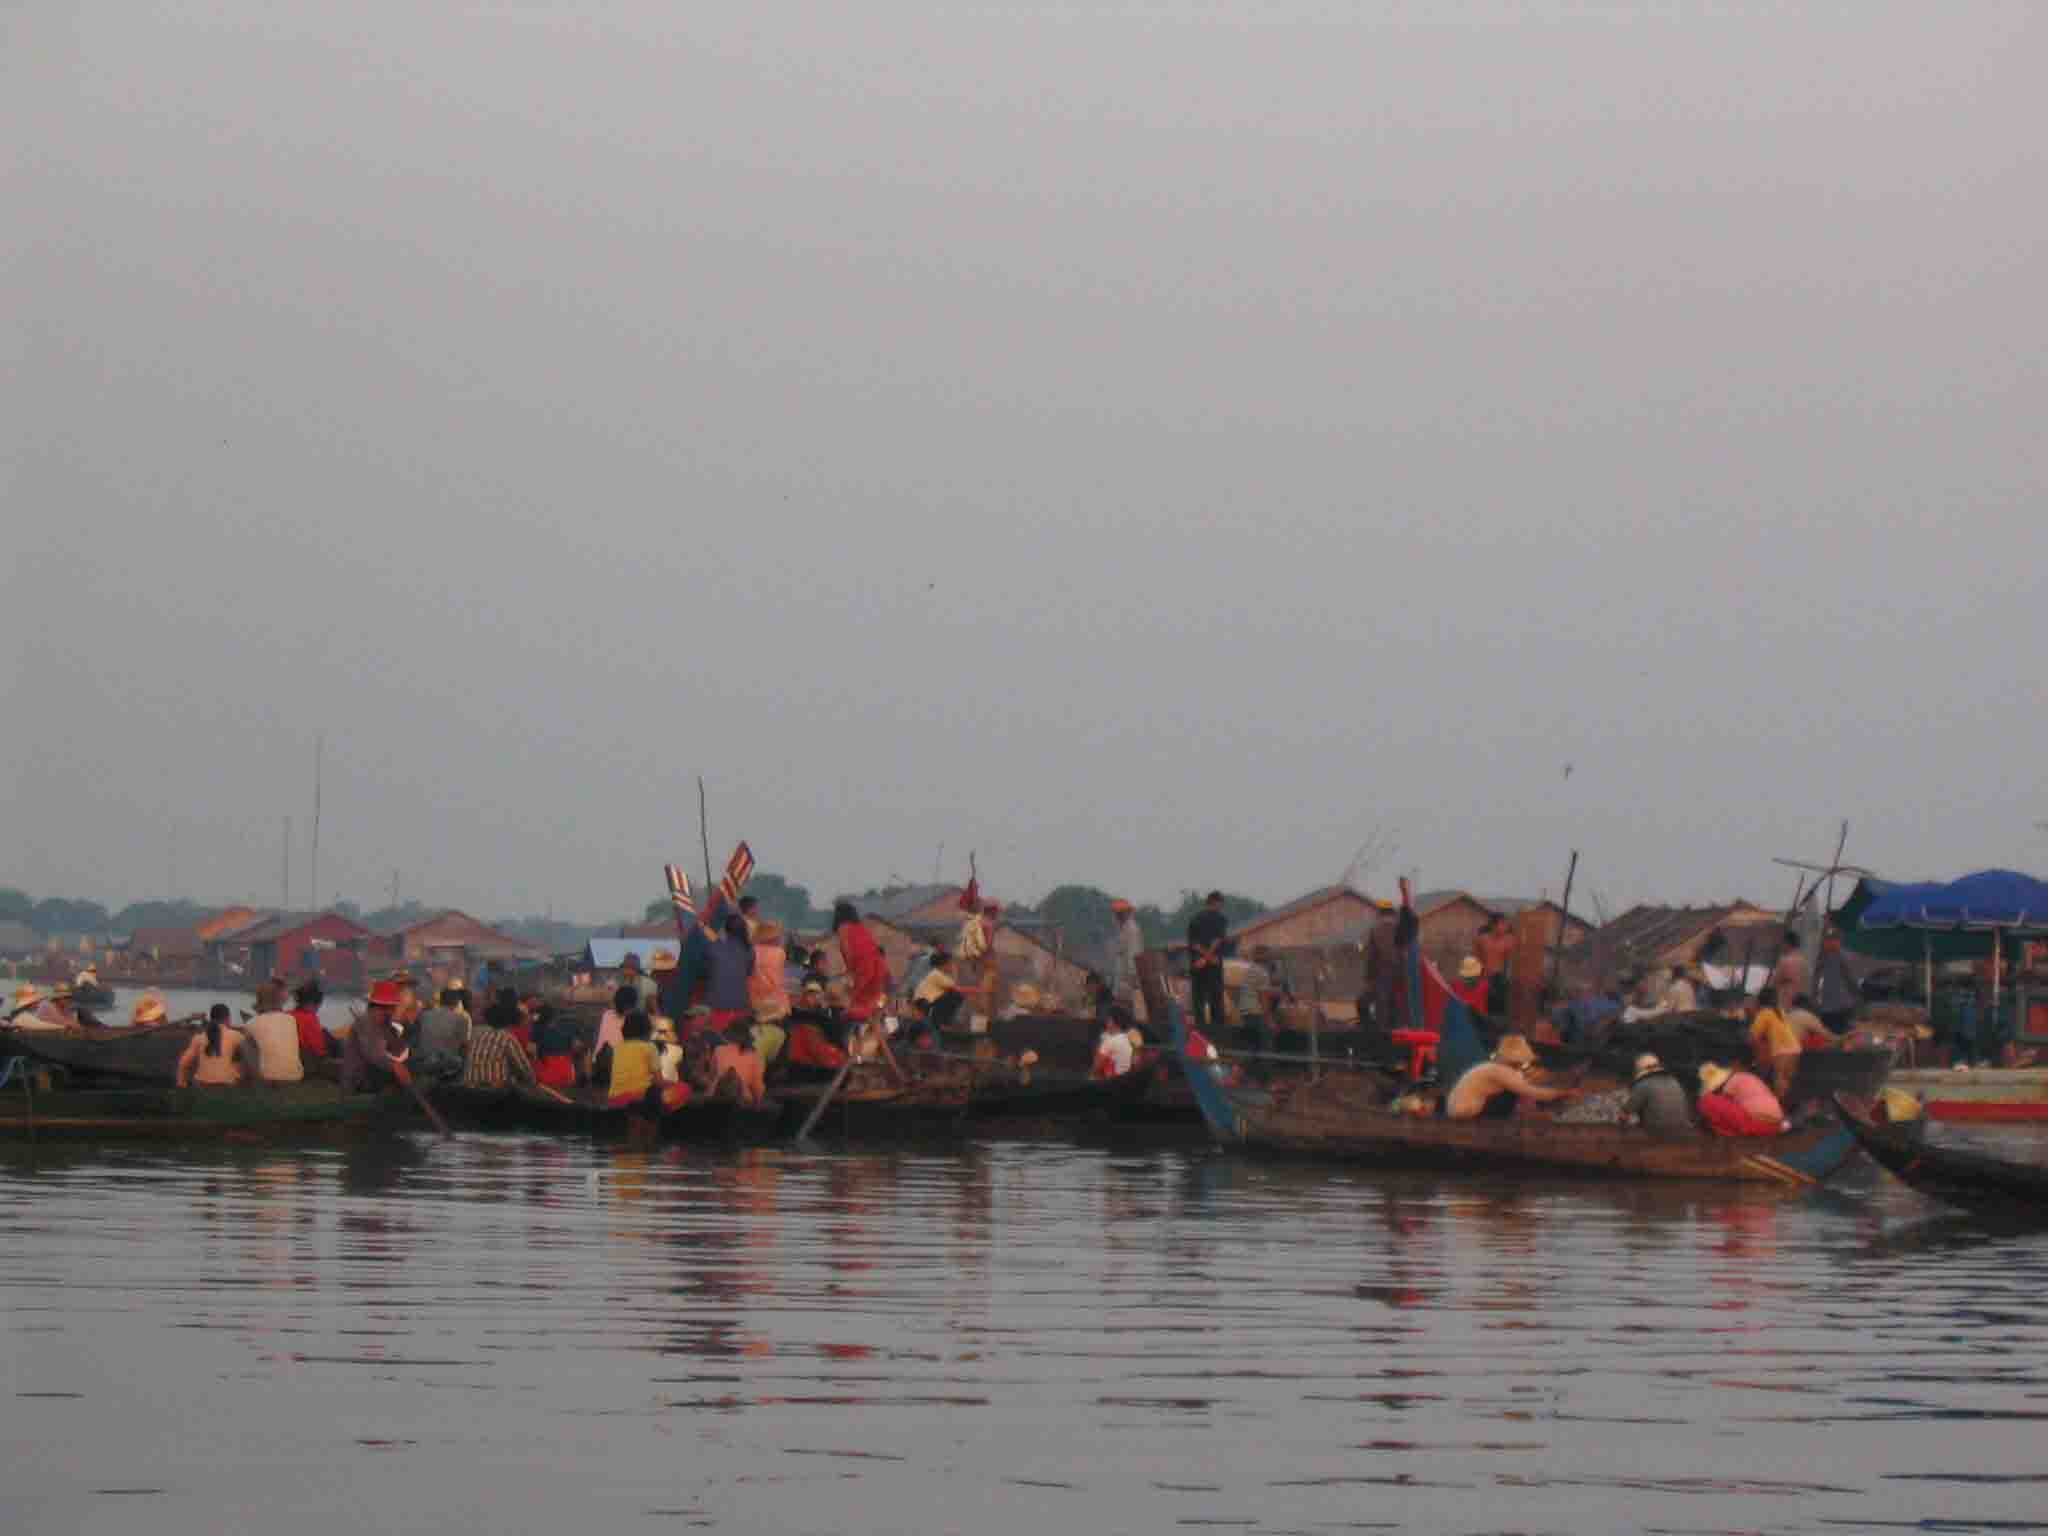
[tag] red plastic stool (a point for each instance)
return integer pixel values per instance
(1421, 1045)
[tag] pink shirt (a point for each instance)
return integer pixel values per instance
(1753, 1097)
(611, 1030)
(766, 989)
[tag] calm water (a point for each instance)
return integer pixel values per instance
(524, 1335)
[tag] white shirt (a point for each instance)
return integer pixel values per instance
(1116, 1045)
(276, 1038)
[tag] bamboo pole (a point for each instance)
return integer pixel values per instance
(1564, 921)
(704, 834)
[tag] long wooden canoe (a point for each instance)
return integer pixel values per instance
(1975, 1181)
(589, 1113)
(1336, 1120)
(110, 1056)
(257, 1112)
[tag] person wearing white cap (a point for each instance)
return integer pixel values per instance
(1656, 1102)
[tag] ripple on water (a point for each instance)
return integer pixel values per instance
(546, 1335)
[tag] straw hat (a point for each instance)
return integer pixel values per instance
(1646, 1064)
(1469, 968)
(387, 994)
(664, 960)
(1713, 1075)
(149, 1009)
(89, 976)
(1025, 995)
(27, 995)
(1514, 1051)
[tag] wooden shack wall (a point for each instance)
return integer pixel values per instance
(1344, 913)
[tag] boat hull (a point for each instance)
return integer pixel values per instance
(254, 1113)
(1993, 1095)
(1973, 1181)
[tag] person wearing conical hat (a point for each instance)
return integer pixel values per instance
(1656, 1102)
(1489, 1090)
(149, 1010)
(31, 1009)
(58, 1011)
(1738, 1103)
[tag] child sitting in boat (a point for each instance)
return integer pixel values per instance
(636, 1068)
(1115, 1051)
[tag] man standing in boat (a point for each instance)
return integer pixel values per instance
(1127, 942)
(1208, 936)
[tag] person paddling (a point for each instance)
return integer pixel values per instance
(374, 1054)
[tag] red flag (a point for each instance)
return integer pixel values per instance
(679, 890)
(738, 870)
(970, 898)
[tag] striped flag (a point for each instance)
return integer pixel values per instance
(679, 890)
(738, 870)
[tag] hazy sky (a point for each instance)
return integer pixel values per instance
(1155, 444)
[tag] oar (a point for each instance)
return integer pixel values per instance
(818, 1110)
(412, 1086)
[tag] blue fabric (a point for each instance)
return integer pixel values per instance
(1992, 898)
(1458, 1047)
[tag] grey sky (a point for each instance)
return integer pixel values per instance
(1156, 445)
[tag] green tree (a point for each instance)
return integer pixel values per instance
(655, 911)
(15, 907)
(55, 914)
(787, 902)
(155, 914)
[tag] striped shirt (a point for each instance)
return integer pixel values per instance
(495, 1060)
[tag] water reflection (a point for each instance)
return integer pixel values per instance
(547, 1335)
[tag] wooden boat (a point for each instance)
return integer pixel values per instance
(91, 1054)
(1682, 1044)
(97, 997)
(1975, 1181)
(2010, 1095)
(259, 1112)
(589, 1113)
(945, 1094)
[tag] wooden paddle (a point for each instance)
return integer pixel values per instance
(818, 1110)
(412, 1087)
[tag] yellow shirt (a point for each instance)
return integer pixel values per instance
(1769, 1030)
(935, 986)
(635, 1065)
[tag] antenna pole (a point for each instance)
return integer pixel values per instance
(319, 751)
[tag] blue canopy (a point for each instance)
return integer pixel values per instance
(1951, 920)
